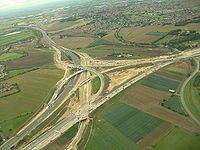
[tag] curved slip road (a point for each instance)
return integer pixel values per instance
(182, 93)
(50, 108)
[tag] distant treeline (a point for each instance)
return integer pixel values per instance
(183, 23)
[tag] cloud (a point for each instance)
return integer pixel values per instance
(14, 4)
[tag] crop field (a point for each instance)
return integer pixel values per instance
(34, 58)
(169, 75)
(191, 96)
(15, 38)
(132, 122)
(75, 42)
(35, 88)
(111, 38)
(106, 137)
(144, 34)
(166, 39)
(98, 42)
(160, 82)
(63, 26)
(140, 52)
(13, 73)
(174, 73)
(10, 56)
(174, 104)
(141, 97)
(155, 135)
(178, 139)
(138, 35)
(58, 25)
(156, 33)
(182, 67)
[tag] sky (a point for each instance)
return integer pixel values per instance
(16, 4)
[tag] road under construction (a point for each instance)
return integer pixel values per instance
(83, 65)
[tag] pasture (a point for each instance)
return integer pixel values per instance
(132, 122)
(178, 139)
(160, 82)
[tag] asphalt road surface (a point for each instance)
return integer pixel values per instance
(182, 93)
(50, 108)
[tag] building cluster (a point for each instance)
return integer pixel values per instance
(5, 87)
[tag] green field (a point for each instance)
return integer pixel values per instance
(96, 84)
(160, 82)
(8, 127)
(174, 73)
(10, 56)
(157, 16)
(34, 58)
(8, 30)
(106, 137)
(192, 95)
(178, 139)
(15, 38)
(13, 73)
(68, 135)
(174, 104)
(98, 42)
(132, 122)
(156, 33)
(35, 90)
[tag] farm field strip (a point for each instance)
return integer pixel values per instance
(10, 56)
(178, 139)
(160, 82)
(106, 137)
(15, 38)
(173, 103)
(132, 122)
(34, 88)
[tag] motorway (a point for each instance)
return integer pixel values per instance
(63, 126)
(50, 108)
(74, 117)
(182, 92)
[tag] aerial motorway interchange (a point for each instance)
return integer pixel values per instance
(85, 65)
(100, 75)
